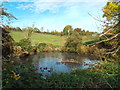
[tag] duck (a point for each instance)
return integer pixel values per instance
(50, 70)
(46, 68)
(40, 67)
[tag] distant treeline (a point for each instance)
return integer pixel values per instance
(68, 30)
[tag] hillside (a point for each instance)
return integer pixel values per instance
(57, 41)
(36, 38)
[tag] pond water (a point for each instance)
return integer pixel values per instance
(48, 62)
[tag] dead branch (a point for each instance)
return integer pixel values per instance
(109, 39)
(110, 29)
(113, 52)
(95, 18)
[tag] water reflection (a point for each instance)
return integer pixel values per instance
(46, 61)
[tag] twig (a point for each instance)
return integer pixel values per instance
(110, 29)
(114, 51)
(95, 18)
(108, 83)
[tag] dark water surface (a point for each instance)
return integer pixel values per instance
(47, 62)
(52, 61)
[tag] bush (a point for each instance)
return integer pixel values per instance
(25, 44)
(45, 47)
(20, 77)
(103, 75)
(82, 49)
(73, 41)
(49, 47)
(41, 46)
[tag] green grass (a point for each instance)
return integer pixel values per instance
(36, 38)
(88, 38)
(56, 41)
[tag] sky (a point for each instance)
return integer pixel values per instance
(56, 14)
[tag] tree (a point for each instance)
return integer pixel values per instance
(112, 26)
(6, 43)
(6, 38)
(73, 41)
(77, 30)
(112, 11)
(42, 28)
(18, 29)
(68, 30)
(9, 16)
(47, 30)
(112, 14)
(36, 29)
(28, 32)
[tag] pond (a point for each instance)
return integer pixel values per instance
(59, 62)
(47, 62)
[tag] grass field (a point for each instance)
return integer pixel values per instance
(55, 40)
(36, 38)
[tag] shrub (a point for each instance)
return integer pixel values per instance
(41, 46)
(25, 44)
(49, 47)
(45, 47)
(73, 41)
(23, 76)
(82, 49)
(103, 75)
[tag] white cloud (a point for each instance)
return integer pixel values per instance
(74, 10)
(57, 0)
(41, 7)
(53, 5)
(5, 1)
(22, 6)
(87, 0)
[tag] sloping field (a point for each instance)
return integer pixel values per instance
(36, 38)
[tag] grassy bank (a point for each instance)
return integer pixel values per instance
(36, 38)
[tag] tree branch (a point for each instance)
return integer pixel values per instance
(109, 39)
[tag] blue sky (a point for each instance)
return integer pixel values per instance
(55, 15)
